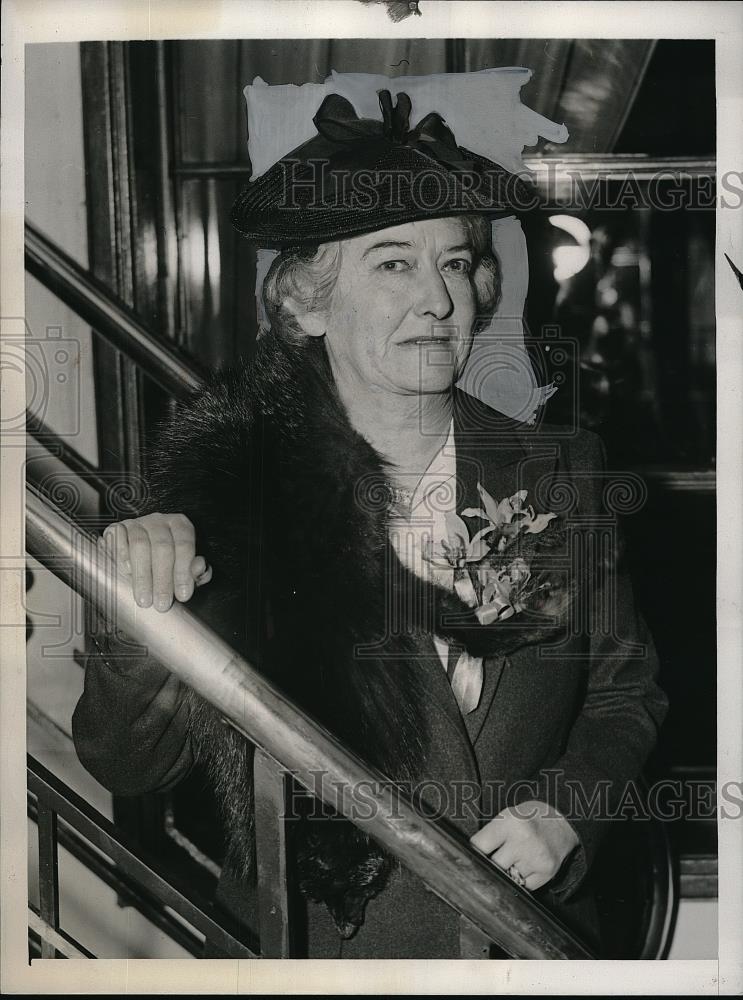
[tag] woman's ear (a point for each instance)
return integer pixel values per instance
(312, 321)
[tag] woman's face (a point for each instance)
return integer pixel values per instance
(403, 308)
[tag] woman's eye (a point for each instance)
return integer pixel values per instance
(394, 265)
(459, 265)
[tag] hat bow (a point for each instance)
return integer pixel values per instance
(337, 121)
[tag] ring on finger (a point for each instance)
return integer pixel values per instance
(516, 875)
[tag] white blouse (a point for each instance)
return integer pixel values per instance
(434, 495)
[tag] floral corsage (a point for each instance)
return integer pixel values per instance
(495, 571)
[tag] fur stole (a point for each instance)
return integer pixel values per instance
(285, 498)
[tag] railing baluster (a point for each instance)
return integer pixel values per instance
(133, 873)
(270, 842)
(48, 874)
(66, 946)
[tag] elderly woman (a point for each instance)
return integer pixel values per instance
(307, 503)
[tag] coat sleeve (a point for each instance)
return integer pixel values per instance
(131, 724)
(623, 707)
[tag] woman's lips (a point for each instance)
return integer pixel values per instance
(420, 341)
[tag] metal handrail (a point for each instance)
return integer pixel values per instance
(464, 879)
(130, 869)
(110, 317)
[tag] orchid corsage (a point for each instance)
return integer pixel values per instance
(491, 574)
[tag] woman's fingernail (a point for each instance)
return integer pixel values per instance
(162, 602)
(182, 592)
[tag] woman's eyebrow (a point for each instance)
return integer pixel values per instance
(385, 244)
(460, 246)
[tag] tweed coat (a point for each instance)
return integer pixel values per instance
(569, 722)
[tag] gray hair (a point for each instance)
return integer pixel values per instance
(308, 275)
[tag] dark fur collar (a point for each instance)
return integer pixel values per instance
(285, 497)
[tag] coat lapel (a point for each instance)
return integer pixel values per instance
(475, 720)
(449, 721)
(505, 457)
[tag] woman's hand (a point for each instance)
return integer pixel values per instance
(533, 836)
(158, 551)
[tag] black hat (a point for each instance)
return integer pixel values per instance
(359, 175)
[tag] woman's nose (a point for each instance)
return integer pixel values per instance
(433, 297)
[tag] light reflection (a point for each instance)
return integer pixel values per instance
(204, 257)
(196, 258)
(213, 259)
(569, 260)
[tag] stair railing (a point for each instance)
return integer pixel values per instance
(64, 819)
(289, 741)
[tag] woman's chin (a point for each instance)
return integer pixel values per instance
(428, 386)
(425, 379)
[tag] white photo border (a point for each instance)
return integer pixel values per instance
(27, 21)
